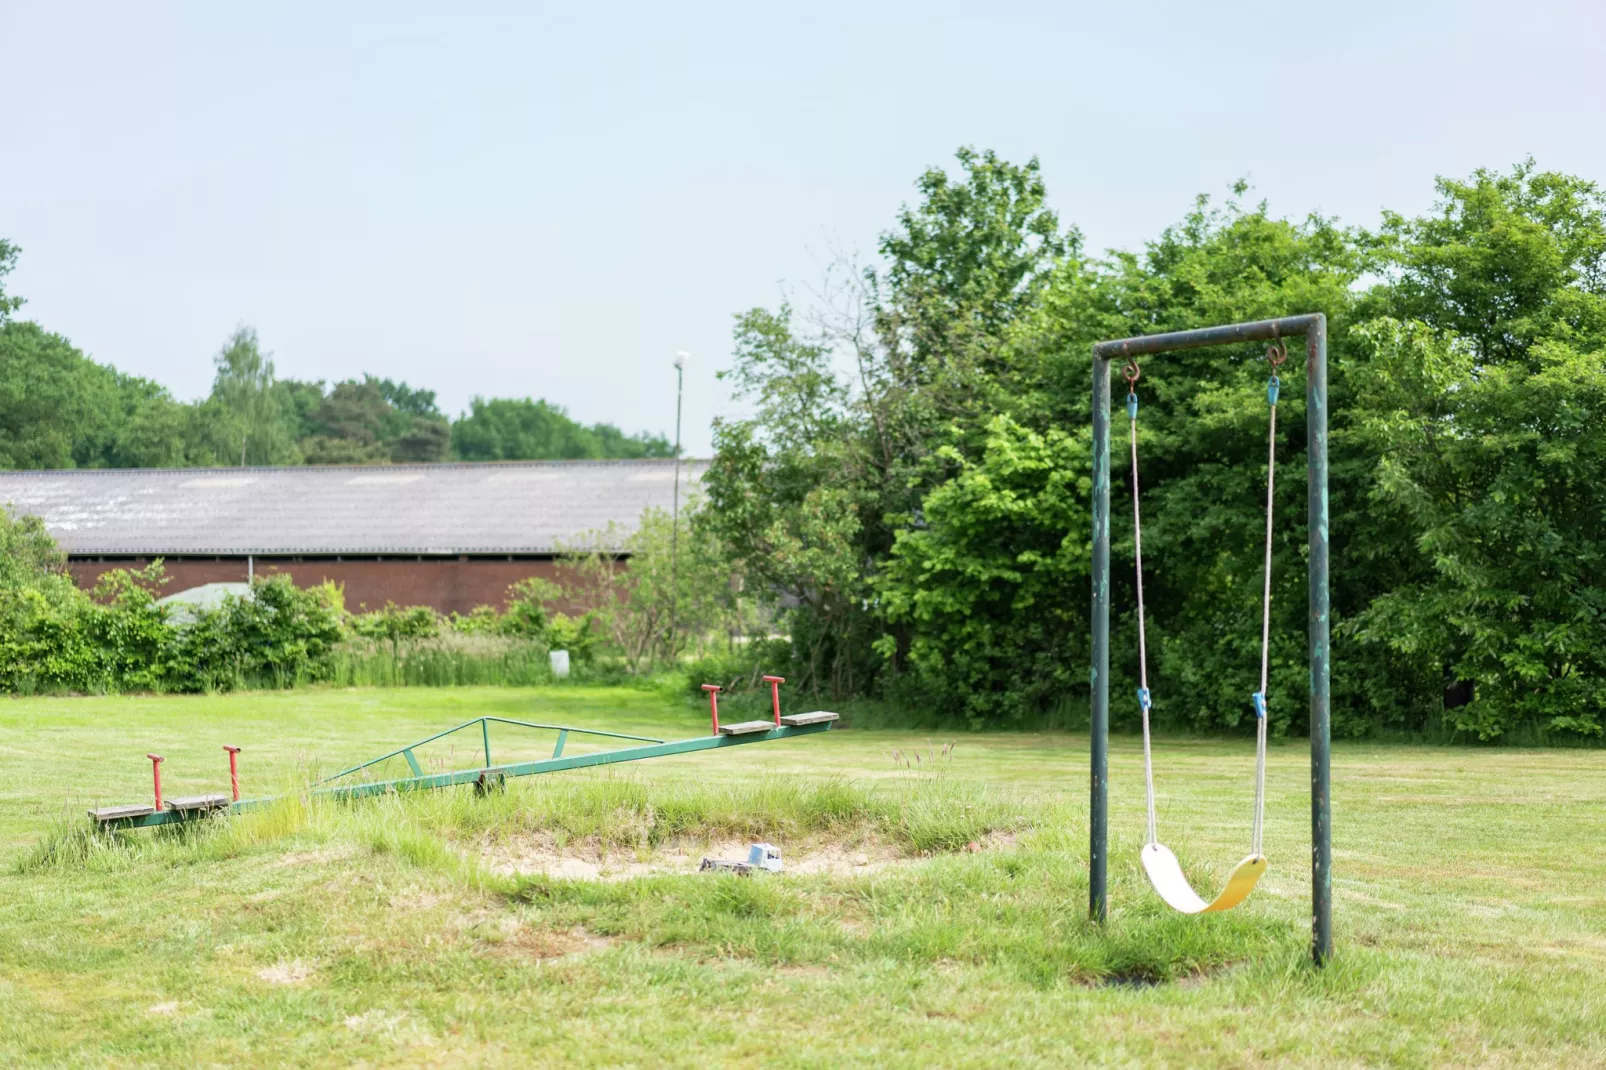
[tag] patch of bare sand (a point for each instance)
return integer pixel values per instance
(588, 860)
(501, 933)
(318, 857)
(285, 973)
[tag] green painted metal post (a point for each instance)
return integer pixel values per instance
(485, 732)
(1321, 824)
(1099, 745)
(412, 763)
(1314, 328)
(563, 735)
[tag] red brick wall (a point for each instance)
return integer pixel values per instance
(451, 586)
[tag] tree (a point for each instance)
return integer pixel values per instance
(970, 258)
(983, 585)
(650, 610)
(8, 263)
(349, 426)
(245, 405)
(786, 493)
(1500, 473)
(57, 407)
(1503, 260)
(526, 429)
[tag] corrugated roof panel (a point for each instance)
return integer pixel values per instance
(507, 508)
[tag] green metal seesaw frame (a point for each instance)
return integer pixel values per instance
(173, 811)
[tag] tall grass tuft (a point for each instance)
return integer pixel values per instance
(451, 659)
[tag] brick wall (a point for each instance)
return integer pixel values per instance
(451, 586)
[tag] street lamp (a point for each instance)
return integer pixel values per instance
(674, 509)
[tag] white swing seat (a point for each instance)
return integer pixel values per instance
(1165, 873)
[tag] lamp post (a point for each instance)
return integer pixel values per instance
(674, 509)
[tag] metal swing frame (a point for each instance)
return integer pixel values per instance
(1313, 327)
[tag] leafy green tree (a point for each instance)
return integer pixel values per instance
(349, 426)
(57, 407)
(149, 429)
(1504, 261)
(967, 260)
(8, 263)
(651, 595)
(1501, 474)
(407, 399)
(982, 584)
(427, 440)
(245, 408)
(787, 490)
(811, 494)
(525, 429)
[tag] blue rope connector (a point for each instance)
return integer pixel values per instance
(1260, 705)
(1131, 406)
(1143, 699)
(1272, 386)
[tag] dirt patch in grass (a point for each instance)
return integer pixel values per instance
(591, 860)
(319, 857)
(506, 934)
(285, 973)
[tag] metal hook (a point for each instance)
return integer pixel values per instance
(1131, 372)
(1277, 353)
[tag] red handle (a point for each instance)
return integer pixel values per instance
(156, 776)
(775, 683)
(713, 703)
(234, 770)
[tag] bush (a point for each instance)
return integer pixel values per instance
(741, 668)
(279, 636)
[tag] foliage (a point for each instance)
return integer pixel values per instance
(979, 585)
(524, 429)
(277, 636)
(526, 613)
(1501, 472)
(393, 624)
(1503, 261)
(59, 409)
(741, 667)
(245, 407)
(451, 659)
(677, 585)
(928, 507)
(785, 496)
(481, 620)
(9, 303)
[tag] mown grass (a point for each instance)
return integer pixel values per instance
(1471, 914)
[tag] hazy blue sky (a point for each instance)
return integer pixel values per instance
(510, 200)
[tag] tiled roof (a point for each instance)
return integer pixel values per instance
(506, 508)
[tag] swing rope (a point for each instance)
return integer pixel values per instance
(1131, 372)
(1277, 353)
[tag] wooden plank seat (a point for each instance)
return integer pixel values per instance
(742, 728)
(817, 717)
(199, 802)
(117, 813)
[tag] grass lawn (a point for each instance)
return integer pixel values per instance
(1470, 891)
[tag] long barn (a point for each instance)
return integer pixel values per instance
(451, 536)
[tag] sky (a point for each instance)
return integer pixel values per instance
(551, 200)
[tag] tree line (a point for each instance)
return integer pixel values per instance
(61, 409)
(913, 486)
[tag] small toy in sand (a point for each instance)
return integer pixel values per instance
(764, 857)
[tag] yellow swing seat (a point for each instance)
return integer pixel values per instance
(1165, 874)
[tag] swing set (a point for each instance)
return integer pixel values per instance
(1159, 861)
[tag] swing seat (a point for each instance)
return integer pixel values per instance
(1165, 873)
